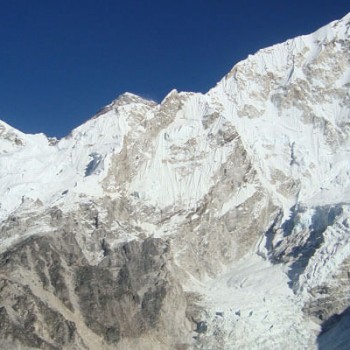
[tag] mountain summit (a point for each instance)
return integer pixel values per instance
(208, 221)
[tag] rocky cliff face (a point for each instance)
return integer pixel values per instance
(216, 221)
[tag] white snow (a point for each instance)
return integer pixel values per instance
(244, 305)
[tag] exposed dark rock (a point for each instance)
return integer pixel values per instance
(122, 296)
(201, 327)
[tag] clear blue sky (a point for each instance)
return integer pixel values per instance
(61, 61)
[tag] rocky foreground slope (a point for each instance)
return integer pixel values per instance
(215, 221)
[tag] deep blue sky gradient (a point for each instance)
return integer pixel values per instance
(61, 61)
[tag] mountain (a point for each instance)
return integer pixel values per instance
(208, 221)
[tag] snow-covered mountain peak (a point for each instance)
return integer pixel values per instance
(192, 202)
(292, 98)
(130, 98)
